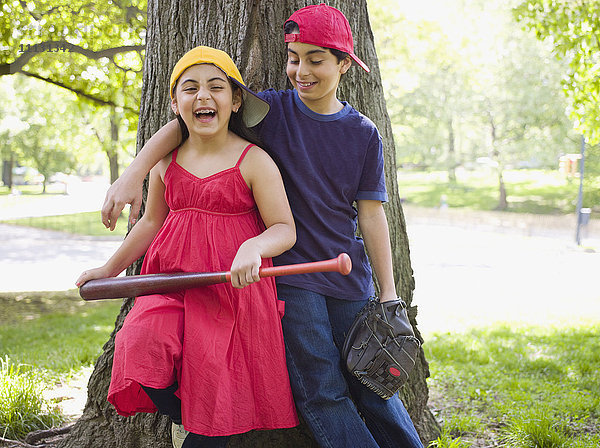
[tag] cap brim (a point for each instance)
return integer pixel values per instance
(359, 62)
(255, 108)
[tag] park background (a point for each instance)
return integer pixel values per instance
(490, 103)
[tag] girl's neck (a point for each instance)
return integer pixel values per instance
(213, 143)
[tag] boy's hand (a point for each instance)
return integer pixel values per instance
(91, 274)
(123, 191)
(245, 266)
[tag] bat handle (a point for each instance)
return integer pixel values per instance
(341, 264)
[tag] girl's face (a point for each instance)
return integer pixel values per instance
(204, 98)
(315, 73)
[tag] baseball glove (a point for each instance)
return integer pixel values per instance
(381, 348)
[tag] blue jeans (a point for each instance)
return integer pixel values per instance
(314, 328)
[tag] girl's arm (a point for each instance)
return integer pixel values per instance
(127, 189)
(138, 240)
(263, 176)
(374, 227)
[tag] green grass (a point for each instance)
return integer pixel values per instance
(57, 332)
(45, 338)
(517, 387)
(86, 223)
(22, 407)
(34, 190)
(528, 191)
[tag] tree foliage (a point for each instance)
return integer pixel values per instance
(572, 28)
(91, 48)
(470, 84)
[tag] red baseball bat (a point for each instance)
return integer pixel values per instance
(140, 285)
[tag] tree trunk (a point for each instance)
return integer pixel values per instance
(112, 150)
(502, 199)
(7, 167)
(252, 33)
(451, 160)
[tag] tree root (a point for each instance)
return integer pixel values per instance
(33, 438)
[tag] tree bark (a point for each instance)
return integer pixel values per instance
(7, 167)
(112, 150)
(251, 31)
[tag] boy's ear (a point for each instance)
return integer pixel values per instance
(174, 107)
(345, 65)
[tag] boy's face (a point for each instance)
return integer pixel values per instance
(204, 98)
(315, 73)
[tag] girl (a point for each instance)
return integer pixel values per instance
(192, 354)
(331, 159)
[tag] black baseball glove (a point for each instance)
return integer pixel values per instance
(381, 348)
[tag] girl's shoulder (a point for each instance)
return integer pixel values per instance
(255, 155)
(163, 164)
(256, 162)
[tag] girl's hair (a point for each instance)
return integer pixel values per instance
(236, 124)
(292, 27)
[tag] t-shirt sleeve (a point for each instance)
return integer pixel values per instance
(372, 181)
(266, 95)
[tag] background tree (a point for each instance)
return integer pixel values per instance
(464, 82)
(238, 26)
(571, 27)
(91, 48)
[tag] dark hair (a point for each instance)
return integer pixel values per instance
(292, 27)
(236, 123)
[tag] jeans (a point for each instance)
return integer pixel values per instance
(327, 396)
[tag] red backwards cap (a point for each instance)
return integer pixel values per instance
(324, 26)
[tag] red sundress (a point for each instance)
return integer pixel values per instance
(224, 346)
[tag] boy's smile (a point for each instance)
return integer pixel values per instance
(315, 73)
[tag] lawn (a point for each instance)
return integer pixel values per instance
(494, 386)
(528, 191)
(524, 387)
(45, 339)
(85, 223)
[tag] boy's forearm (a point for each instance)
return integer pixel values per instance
(375, 231)
(158, 146)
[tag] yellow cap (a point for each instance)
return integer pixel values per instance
(255, 109)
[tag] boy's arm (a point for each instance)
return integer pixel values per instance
(127, 189)
(374, 227)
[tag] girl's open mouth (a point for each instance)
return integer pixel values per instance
(205, 115)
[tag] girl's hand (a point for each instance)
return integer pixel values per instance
(91, 274)
(245, 266)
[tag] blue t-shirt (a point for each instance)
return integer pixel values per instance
(327, 162)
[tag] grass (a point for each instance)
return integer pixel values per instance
(22, 407)
(525, 387)
(529, 191)
(45, 339)
(86, 223)
(528, 387)
(57, 332)
(34, 190)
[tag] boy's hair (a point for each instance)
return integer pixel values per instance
(292, 27)
(236, 122)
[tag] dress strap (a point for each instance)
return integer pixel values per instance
(244, 154)
(174, 154)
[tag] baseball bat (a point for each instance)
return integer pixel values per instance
(140, 285)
